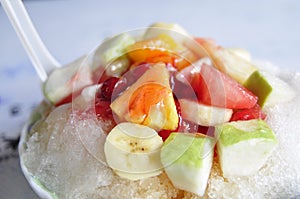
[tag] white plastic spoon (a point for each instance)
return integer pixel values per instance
(39, 55)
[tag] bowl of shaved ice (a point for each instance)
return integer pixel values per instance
(158, 113)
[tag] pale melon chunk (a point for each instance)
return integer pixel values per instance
(116, 47)
(187, 160)
(113, 59)
(259, 85)
(203, 114)
(244, 146)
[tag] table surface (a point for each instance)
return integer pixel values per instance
(268, 29)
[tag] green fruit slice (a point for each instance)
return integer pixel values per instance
(187, 160)
(270, 89)
(244, 146)
(258, 85)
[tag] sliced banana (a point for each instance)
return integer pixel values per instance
(133, 151)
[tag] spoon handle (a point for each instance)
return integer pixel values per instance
(40, 57)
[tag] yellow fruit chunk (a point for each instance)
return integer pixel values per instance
(161, 49)
(145, 97)
(146, 50)
(149, 101)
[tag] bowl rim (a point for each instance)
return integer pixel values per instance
(34, 183)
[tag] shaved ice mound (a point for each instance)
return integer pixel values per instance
(56, 155)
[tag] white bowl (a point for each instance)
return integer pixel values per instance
(35, 184)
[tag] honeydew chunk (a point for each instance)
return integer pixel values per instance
(112, 54)
(116, 47)
(244, 146)
(270, 89)
(259, 85)
(203, 114)
(187, 160)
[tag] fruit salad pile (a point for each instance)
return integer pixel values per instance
(173, 101)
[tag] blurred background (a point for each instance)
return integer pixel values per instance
(268, 29)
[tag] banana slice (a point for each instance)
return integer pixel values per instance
(133, 151)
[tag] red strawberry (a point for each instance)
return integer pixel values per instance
(249, 114)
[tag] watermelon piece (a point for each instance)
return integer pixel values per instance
(214, 88)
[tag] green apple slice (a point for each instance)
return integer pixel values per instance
(244, 146)
(269, 89)
(187, 160)
(203, 114)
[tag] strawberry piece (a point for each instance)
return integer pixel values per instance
(249, 114)
(107, 88)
